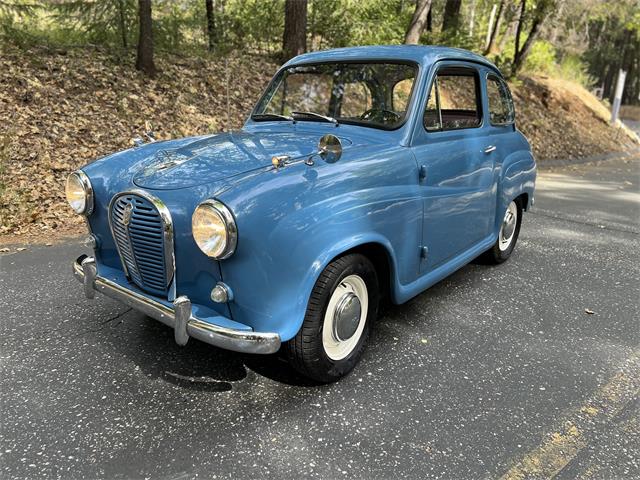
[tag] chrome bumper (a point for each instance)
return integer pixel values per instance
(180, 317)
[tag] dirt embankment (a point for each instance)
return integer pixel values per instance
(60, 110)
(563, 120)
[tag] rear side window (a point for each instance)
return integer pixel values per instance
(501, 111)
(454, 100)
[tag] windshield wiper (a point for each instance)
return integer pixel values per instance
(324, 118)
(270, 116)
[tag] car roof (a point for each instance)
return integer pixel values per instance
(421, 54)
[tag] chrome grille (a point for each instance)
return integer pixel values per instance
(140, 232)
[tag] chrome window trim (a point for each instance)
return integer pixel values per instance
(229, 224)
(476, 74)
(88, 192)
(493, 76)
(168, 236)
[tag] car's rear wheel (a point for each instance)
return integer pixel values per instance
(508, 235)
(341, 309)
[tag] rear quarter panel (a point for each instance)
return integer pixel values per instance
(517, 174)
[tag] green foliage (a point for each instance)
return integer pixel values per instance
(252, 23)
(178, 26)
(614, 44)
(610, 28)
(110, 22)
(542, 58)
(573, 68)
(341, 23)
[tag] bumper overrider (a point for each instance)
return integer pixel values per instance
(180, 317)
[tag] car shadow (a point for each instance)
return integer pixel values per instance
(150, 345)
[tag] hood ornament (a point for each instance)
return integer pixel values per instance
(165, 160)
(148, 132)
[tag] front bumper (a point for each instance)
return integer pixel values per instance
(180, 317)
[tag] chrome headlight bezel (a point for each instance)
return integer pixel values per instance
(230, 228)
(85, 184)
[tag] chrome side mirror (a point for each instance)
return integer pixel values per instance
(330, 148)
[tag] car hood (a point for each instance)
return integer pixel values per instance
(218, 157)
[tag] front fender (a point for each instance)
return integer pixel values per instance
(293, 225)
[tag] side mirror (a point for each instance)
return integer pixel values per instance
(330, 148)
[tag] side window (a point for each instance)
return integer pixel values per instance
(501, 111)
(454, 100)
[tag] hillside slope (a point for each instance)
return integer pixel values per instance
(60, 110)
(564, 120)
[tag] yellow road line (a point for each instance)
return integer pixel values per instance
(561, 446)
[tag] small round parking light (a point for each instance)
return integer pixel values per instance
(221, 293)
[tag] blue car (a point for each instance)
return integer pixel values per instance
(362, 174)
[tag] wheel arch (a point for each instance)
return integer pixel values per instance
(523, 198)
(382, 261)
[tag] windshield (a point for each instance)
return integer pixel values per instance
(370, 94)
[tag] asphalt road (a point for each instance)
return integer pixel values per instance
(496, 371)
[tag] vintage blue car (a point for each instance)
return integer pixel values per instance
(362, 173)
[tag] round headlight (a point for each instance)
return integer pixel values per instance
(79, 193)
(214, 229)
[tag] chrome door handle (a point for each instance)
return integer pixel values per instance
(490, 148)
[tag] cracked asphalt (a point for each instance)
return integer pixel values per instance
(494, 372)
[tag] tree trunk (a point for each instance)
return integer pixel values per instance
(144, 62)
(557, 23)
(508, 32)
(472, 18)
(520, 54)
(294, 41)
(123, 25)
(518, 61)
(430, 19)
(495, 29)
(418, 22)
(516, 50)
(211, 26)
(451, 19)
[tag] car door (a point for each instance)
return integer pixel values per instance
(456, 164)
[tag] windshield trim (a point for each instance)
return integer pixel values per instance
(375, 126)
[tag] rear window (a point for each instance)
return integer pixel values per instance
(454, 100)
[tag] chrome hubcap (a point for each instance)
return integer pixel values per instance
(345, 317)
(508, 227)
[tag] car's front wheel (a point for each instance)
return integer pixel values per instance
(341, 309)
(508, 235)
